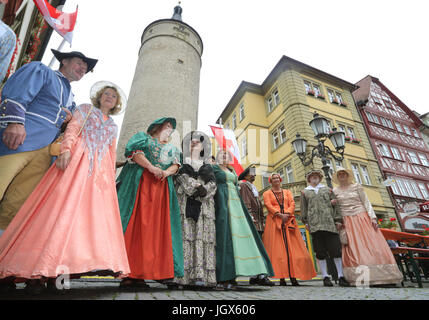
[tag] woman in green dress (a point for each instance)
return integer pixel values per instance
(239, 248)
(149, 208)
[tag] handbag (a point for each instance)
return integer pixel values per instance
(55, 147)
(343, 237)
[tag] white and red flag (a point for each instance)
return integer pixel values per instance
(61, 22)
(227, 141)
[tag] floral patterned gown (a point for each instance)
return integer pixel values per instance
(70, 224)
(199, 237)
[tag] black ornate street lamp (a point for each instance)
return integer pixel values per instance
(320, 127)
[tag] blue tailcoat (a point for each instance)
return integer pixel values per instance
(33, 96)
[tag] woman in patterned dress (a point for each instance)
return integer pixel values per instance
(70, 224)
(196, 186)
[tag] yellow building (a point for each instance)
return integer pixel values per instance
(266, 118)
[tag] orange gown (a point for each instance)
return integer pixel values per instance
(290, 258)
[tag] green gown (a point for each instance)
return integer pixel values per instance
(162, 156)
(239, 248)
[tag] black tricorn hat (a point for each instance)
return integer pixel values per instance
(63, 55)
(246, 172)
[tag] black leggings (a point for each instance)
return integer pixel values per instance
(326, 244)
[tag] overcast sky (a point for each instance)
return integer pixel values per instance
(244, 40)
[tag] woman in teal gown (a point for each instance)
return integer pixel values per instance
(239, 248)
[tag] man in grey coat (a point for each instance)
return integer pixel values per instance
(322, 217)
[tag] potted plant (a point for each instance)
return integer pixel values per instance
(335, 101)
(321, 96)
(347, 138)
(425, 232)
(355, 140)
(310, 92)
(343, 103)
(389, 223)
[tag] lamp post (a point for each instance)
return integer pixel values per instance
(320, 127)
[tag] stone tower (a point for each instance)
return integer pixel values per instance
(166, 81)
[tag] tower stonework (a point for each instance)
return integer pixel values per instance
(166, 81)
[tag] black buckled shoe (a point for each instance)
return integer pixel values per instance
(283, 282)
(294, 282)
(342, 282)
(253, 281)
(265, 282)
(7, 285)
(327, 282)
(34, 287)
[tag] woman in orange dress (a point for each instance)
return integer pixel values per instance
(71, 224)
(282, 238)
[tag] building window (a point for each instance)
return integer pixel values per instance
(242, 115)
(396, 153)
(423, 160)
(390, 124)
(416, 190)
(365, 175)
(415, 133)
(227, 125)
(281, 173)
(342, 128)
(289, 174)
(317, 91)
(308, 88)
(244, 147)
(282, 133)
(375, 117)
(383, 121)
(234, 121)
(413, 157)
(407, 130)
(339, 97)
(394, 186)
(401, 187)
(331, 95)
(265, 179)
(384, 150)
(409, 189)
(423, 191)
(276, 97)
(351, 133)
(273, 100)
(399, 127)
(388, 104)
(369, 116)
(276, 141)
(356, 173)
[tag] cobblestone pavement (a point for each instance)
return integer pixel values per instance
(108, 289)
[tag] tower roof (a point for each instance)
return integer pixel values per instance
(177, 15)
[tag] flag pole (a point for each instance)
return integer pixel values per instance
(59, 49)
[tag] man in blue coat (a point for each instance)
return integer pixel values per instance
(35, 102)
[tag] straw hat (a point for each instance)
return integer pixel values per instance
(318, 172)
(341, 169)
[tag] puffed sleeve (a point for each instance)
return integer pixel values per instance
(136, 143)
(365, 201)
(20, 89)
(187, 183)
(74, 127)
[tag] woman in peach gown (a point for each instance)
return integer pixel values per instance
(71, 223)
(367, 258)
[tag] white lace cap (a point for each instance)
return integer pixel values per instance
(101, 84)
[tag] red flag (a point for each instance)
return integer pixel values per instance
(227, 141)
(61, 22)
